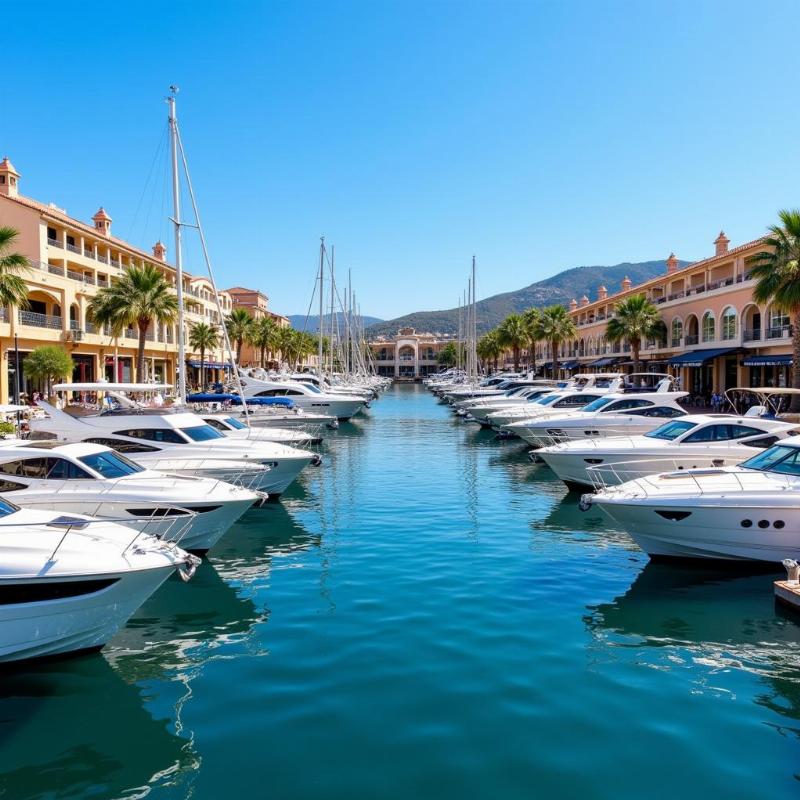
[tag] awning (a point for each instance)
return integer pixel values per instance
(768, 361)
(208, 364)
(699, 357)
(570, 365)
(602, 362)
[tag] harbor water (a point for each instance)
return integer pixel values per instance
(427, 615)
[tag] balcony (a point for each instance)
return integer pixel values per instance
(90, 327)
(102, 280)
(675, 341)
(720, 283)
(752, 335)
(88, 252)
(54, 269)
(102, 259)
(73, 249)
(39, 320)
(74, 325)
(53, 242)
(676, 295)
(114, 262)
(690, 340)
(779, 332)
(80, 276)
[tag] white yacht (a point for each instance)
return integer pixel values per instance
(690, 442)
(512, 422)
(746, 513)
(610, 415)
(304, 395)
(157, 435)
(95, 480)
(68, 583)
(517, 399)
(236, 428)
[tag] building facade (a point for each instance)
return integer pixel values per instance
(408, 354)
(70, 261)
(256, 303)
(718, 337)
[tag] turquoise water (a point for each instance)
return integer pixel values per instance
(426, 616)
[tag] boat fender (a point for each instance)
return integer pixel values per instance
(585, 502)
(317, 460)
(792, 571)
(188, 568)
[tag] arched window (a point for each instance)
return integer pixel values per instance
(709, 327)
(677, 331)
(729, 323)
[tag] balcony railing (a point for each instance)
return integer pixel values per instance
(89, 253)
(102, 280)
(80, 276)
(53, 242)
(676, 295)
(55, 269)
(74, 249)
(102, 259)
(689, 340)
(114, 262)
(74, 325)
(39, 320)
(90, 327)
(720, 283)
(779, 332)
(753, 335)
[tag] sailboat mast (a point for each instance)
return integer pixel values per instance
(321, 304)
(474, 352)
(176, 219)
(333, 294)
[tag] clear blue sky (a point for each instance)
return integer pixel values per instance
(538, 135)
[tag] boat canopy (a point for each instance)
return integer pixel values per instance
(234, 399)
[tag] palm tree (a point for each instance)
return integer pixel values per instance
(238, 324)
(285, 343)
(776, 270)
(489, 348)
(634, 320)
(13, 290)
(203, 337)
(531, 319)
(140, 297)
(555, 326)
(264, 335)
(512, 335)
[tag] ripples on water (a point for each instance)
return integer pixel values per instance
(428, 615)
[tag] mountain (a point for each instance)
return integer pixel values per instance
(299, 322)
(561, 288)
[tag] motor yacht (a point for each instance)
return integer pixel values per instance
(750, 512)
(68, 583)
(95, 480)
(689, 442)
(480, 411)
(236, 428)
(304, 395)
(263, 412)
(152, 435)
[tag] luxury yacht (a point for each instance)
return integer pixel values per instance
(236, 428)
(480, 411)
(691, 442)
(746, 513)
(153, 435)
(95, 480)
(68, 582)
(263, 412)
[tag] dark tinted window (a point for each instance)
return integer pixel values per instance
(218, 424)
(9, 486)
(624, 405)
(154, 435)
(111, 465)
(61, 469)
(711, 433)
(575, 400)
(122, 446)
(658, 411)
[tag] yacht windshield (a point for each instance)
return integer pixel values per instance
(202, 433)
(312, 388)
(782, 459)
(110, 464)
(7, 507)
(597, 404)
(671, 430)
(547, 399)
(234, 423)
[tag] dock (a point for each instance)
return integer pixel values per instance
(788, 593)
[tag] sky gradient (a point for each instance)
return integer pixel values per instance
(537, 135)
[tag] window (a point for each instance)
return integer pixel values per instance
(9, 486)
(122, 446)
(110, 464)
(63, 470)
(659, 411)
(44, 468)
(154, 435)
(721, 433)
(202, 433)
(729, 323)
(677, 331)
(671, 430)
(778, 319)
(598, 404)
(709, 328)
(218, 424)
(234, 423)
(782, 459)
(575, 400)
(51, 233)
(624, 405)
(762, 442)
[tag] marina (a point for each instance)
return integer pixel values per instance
(379, 632)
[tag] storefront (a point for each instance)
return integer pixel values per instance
(83, 368)
(701, 372)
(772, 371)
(124, 369)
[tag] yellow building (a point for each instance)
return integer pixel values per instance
(256, 303)
(70, 260)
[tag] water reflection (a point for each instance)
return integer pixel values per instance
(687, 616)
(77, 729)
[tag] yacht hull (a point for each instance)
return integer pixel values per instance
(74, 624)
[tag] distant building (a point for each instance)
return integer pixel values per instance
(256, 303)
(408, 354)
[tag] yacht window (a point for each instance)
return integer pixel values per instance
(598, 404)
(216, 423)
(574, 400)
(202, 433)
(110, 465)
(770, 460)
(10, 486)
(763, 442)
(60, 470)
(547, 399)
(122, 446)
(234, 423)
(7, 507)
(658, 411)
(711, 433)
(624, 405)
(671, 430)
(30, 468)
(309, 385)
(272, 393)
(154, 435)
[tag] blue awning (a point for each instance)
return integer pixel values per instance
(699, 357)
(767, 361)
(571, 365)
(603, 362)
(207, 364)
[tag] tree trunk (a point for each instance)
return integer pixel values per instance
(143, 326)
(637, 364)
(516, 359)
(795, 404)
(202, 369)
(554, 353)
(263, 354)
(239, 343)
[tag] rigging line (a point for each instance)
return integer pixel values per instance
(207, 258)
(159, 147)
